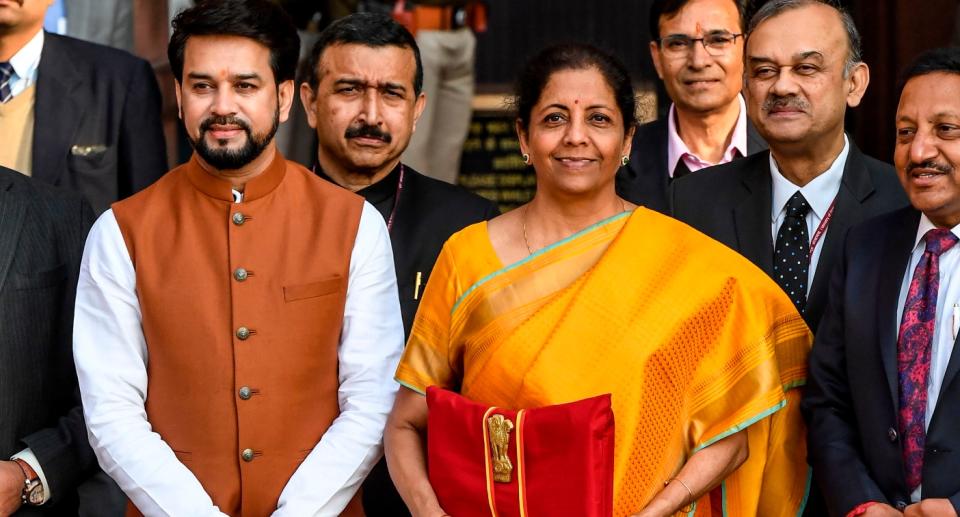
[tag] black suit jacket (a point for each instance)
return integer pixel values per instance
(42, 231)
(732, 204)
(428, 212)
(851, 401)
(645, 180)
(97, 127)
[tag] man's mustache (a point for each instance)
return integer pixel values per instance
(930, 164)
(368, 131)
(792, 102)
(223, 121)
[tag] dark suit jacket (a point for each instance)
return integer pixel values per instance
(97, 123)
(42, 231)
(428, 213)
(732, 204)
(851, 401)
(645, 180)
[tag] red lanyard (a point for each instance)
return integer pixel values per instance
(396, 201)
(821, 228)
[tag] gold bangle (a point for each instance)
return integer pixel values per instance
(689, 506)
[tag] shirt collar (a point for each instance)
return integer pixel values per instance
(677, 149)
(925, 226)
(27, 59)
(819, 193)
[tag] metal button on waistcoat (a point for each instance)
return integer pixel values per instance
(245, 393)
(240, 274)
(900, 505)
(892, 434)
(243, 333)
(247, 455)
(238, 218)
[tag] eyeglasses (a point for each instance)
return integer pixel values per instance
(715, 43)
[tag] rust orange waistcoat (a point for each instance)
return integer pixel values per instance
(242, 307)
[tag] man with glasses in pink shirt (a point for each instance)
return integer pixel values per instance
(697, 49)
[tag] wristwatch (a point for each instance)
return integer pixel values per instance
(32, 487)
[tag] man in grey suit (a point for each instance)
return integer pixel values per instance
(44, 452)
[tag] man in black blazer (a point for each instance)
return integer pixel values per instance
(697, 49)
(797, 91)
(42, 230)
(361, 91)
(95, 125)
(883, 400)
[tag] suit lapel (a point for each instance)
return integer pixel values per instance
(895, 258)
(12, 211)
(855, 188)
(402, 231)
(752, 215)
(57, 110)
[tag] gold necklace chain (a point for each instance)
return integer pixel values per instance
(523, 223)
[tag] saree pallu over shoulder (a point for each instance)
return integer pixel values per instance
(693, 342)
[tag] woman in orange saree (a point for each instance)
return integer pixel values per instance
(700, 351)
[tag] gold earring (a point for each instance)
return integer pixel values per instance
(526, 158)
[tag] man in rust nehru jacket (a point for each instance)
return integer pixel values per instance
(237, 323)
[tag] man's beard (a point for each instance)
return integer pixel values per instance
(232, 159)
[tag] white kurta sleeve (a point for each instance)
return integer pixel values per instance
(111, 356)
(370, 346)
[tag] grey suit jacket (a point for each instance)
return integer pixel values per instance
(42, 231)
(107, 22)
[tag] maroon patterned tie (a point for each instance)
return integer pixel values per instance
(913, 350)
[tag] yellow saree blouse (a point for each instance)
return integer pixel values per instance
(692, 340)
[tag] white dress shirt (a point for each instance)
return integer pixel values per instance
(111, 356)
(944, 329)
(25, 63)
(819, 193)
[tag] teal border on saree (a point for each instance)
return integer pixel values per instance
(536, 254)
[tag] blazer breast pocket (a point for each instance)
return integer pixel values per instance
(90, 158)
(312, 289)
(39, 280)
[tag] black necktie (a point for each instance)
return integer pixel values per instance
(6, 76)
(791, 255)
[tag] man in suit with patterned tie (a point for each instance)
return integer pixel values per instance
(76, 114)
(883, 401)
(788, 208)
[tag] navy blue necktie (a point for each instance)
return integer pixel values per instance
(6, 77)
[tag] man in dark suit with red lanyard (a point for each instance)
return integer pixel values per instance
(883, 400)
(362, 92)
(787, 209)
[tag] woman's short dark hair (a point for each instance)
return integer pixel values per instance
(367, 29)
(945, 60)
(574, 56)
(259, 20)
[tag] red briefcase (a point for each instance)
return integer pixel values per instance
(553, 460)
